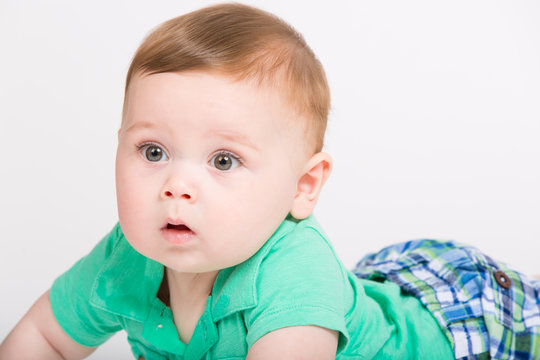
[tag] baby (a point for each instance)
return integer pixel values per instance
(216, 254)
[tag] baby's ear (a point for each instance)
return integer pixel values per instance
(309, 186)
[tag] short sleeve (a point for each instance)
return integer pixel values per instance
(300, 282)
(70, 297)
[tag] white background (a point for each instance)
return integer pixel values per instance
(434, 129)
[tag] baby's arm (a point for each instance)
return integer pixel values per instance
(38, 336)
(296, 342)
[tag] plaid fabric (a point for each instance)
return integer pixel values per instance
(483, 316)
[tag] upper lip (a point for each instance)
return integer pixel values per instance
(174, 221)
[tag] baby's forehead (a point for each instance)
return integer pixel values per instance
(276, 92)
(218, 104)
(216, 91)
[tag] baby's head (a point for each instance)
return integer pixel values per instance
(224, 119)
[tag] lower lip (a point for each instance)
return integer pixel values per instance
(177, 237)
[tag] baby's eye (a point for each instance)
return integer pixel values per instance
(225, 161)
(153, 152)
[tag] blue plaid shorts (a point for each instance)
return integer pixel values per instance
(486, 310)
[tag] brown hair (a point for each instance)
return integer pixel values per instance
(247, 44)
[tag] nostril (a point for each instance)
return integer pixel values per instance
(171, 194)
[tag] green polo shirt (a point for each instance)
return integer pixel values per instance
(294, 279)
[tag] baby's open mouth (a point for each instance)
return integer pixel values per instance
(177, 233)
(177, 227)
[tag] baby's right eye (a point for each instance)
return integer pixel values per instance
(153, 152)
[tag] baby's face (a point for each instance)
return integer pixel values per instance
(206, 168)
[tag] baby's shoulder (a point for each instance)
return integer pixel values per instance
(302, 254)
(304, 242)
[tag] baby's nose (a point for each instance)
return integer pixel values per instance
(179, 186)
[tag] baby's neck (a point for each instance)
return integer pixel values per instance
(190, 285)
(188, 296)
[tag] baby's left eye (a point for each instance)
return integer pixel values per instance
(225, 161)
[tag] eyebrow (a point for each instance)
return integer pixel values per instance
(141, 125)
(235, 137)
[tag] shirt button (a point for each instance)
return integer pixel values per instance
(159, 326)
(502, 279)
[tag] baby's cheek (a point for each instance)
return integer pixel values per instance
(132, 209)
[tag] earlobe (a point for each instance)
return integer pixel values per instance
(315, 173)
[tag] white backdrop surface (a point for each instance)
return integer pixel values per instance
(434, 128)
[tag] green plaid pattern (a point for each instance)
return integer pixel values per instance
(483, 316)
